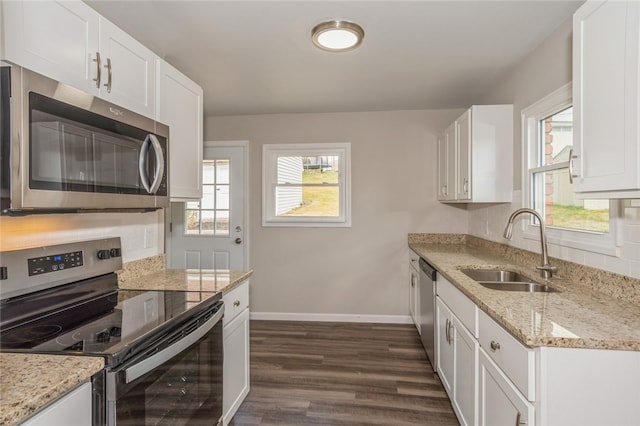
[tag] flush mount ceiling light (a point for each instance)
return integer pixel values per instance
(337, 36)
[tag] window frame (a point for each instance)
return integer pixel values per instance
(550, 104)
(270, 154)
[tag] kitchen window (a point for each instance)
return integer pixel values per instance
(306, 185)
(584, 224)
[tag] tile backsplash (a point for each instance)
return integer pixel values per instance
(142, 234)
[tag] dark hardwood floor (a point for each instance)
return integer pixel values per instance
(311, 373)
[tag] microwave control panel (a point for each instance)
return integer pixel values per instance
(55, 262)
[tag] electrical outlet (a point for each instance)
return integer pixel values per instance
(148, 310)
(149, 237)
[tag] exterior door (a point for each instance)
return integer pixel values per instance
(210, 233)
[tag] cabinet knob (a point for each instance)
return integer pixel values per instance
(236, 303)
(495, 346)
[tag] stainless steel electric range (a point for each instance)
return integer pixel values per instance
(162, 349)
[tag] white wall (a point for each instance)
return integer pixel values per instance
(545, 69)
(142, 234)
(362, 270)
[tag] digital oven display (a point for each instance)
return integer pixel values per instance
(53, 263)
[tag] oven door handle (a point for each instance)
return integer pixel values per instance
(140, 369)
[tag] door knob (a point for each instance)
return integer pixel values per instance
(238, 240)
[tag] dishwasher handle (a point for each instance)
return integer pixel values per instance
(428, 270)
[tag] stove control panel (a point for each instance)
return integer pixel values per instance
(55, 262)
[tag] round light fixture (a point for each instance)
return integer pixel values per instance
(337, 36)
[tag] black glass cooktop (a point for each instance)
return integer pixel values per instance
(113, 324)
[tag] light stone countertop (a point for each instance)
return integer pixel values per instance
(575, 317)
(210, 280)
(28, 382)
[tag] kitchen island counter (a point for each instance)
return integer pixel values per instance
(30, 381)
(577, 316)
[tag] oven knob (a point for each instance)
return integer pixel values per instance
(114, 252)
(104, 254)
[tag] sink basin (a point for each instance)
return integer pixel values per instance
(496, 275)
(517, 286)
(500, 279)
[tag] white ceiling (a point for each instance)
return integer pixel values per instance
(256, 57)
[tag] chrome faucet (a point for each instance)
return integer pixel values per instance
(546, 270)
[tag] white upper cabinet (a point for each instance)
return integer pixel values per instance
(605, 94)
(475, 156)
(128, 70)
(57, 39)
(71, 43)
(179, 105)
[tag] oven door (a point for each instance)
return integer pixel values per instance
(178, 382)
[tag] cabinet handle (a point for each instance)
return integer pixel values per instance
(413, 280)
(444, 190)
(450, 329)
(109, 75)
(446, 330)
(98, 62)
(236, 303)
(494, 346)
(571, 158)
(465, 186)
(518, 422)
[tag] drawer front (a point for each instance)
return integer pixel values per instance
(515, 359)
(235, 301)
(460, 305)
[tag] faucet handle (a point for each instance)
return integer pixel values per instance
(547, 270)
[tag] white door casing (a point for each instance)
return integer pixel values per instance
(228, 250)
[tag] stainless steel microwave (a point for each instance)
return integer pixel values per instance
(65, 150)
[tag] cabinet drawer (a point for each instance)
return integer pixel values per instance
(516, 360)
(460, 305)
(235, 301)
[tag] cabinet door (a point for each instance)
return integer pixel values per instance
(128, 71)
(179, 105)
(499, 402)
(447, 164)
(236, 365)
(605, 94)
(465, 378)
(463, 146)
(73, 408)
(56, 39)
(445, 355)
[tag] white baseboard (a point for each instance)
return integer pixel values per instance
(290, 316)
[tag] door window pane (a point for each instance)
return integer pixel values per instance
(210, 216)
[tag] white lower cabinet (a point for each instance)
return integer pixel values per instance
(73, 408)
(236, 350)
(499, 402)
(493, 379)
(457, 360)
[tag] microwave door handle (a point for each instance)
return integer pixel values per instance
(142, 164)
(159, 172)
(156, 360)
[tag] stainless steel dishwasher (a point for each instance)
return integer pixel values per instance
(428, 278)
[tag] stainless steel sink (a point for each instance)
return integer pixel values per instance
(500, 279)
